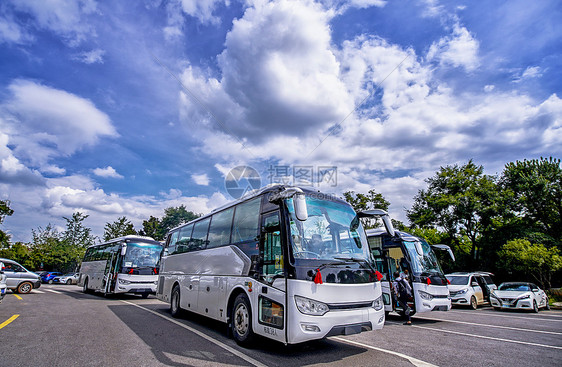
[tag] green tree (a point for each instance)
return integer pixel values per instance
(5, 211)
(152, 228)
(536, 260)
(371, 200)
(173, 217)
(50, 250)
(536, 188)
(461, 201)
(121, 227)
(76, 233)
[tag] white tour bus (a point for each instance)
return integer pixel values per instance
(413, 257)
(281, 262)
(126, 264)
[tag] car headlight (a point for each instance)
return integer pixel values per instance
(310, 307)
(378, 304)
(124, 281)
(425, 295)
(463, 291)
(525, 297)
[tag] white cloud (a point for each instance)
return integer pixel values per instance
(201, 179)
(62, 17)
(107, 172)
(91, 57)
(460, 49)
(530, 72)
(489, 88)
(44, 123)
(11, 32)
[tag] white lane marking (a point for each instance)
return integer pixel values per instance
(487, 325)
(53, 291)
(416, 362)
(203, 335)
(488, 337)
(497, 314)
(37, 291)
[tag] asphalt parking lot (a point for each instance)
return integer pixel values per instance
(58, 325)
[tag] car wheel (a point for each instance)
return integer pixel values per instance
(175, 308)
(547, 307)
(241, 322)
(473, 303)
(50, 281)
(535, 307)
(24, 287)
(69, 281)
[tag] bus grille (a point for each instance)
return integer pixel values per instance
(349, 306)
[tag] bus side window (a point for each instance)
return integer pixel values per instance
(219, 231)
(173, 238)
(199, 236)
(246, 221)
(183, 237)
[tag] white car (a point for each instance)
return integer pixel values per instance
(519, 295)
(470, 289)
(3, 286)
(70, 278)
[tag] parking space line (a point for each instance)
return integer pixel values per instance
(416, 362)
(496, 313)
(203, 335)
(53, 291)
(488, 337)
(18, 297)
(487, 325)
(38, 291)
(8, 321)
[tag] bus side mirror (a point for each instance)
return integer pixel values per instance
(301, 212)
(123, 250)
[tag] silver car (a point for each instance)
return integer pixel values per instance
(70, 278)
(18, 278)
(519, 295)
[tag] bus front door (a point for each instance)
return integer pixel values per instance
(271, 320)
(110, 274)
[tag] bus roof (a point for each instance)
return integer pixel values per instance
(128, 238)
(381, 231)
(258, 192)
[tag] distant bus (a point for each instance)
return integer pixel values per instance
(283, 262)
(126, 264)
(413, 257)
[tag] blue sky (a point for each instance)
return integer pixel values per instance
(121, 108)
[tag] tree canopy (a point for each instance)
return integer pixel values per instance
(119, 228)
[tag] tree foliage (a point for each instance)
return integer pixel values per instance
(371, 200)
(121, 227)
(76, 233)
(523, 257)
(173, 217)
(5, 211)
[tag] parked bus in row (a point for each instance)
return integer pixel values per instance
(126, 264)
(282, 262)
(413, 258)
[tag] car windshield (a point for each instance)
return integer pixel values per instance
(458, 279)
(425, 263)
(142, 255)
(514, 287)
(68, 274)
(331, 231)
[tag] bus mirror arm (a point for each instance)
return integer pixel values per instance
(383, 215)
(299, 201)
(445, 248)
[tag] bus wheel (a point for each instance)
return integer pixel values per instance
(175, 308)
(25, 287)
(242, 320)
(85, 286)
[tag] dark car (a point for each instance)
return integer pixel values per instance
(49, 276)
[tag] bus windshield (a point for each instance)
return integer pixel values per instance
(425, 263)
(142, 255)
(330, 232)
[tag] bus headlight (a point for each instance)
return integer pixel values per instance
(378, 304)
(124, 281)
(310, 307)
(425, 295)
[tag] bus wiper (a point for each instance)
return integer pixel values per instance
(361, 260)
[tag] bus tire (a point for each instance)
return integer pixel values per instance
(241, 323)
(175, 308)
(24, 287)
(85, 286)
